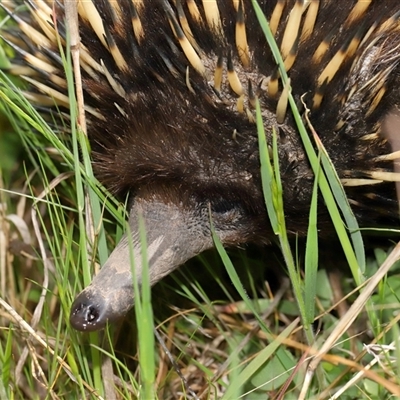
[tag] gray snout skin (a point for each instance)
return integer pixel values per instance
(109, 296)
(173, 236)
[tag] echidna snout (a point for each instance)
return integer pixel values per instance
(169, 243)
(174, 233)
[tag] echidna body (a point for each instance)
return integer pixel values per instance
(170, 90)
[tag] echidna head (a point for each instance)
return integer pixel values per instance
(176, 232)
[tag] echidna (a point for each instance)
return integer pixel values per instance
(170, 89)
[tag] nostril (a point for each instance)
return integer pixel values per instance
(89, 313)
(92, 314)
(86, 316)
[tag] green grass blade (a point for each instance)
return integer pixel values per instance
(273, 194)
(267, 173)
(236, 279)
(311, 260)
(144, 317)
(348, 215)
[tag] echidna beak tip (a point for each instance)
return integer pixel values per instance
(87, 313)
